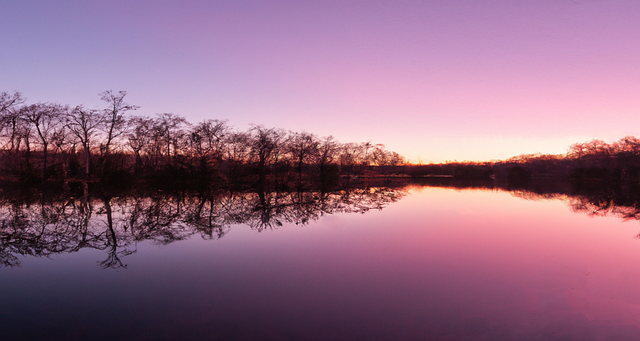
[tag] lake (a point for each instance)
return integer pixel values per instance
(405, 263)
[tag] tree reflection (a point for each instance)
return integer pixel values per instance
(619, 199)
(45, 225)
(40, 224)
(596, 199)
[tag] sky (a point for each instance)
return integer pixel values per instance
(438, 80)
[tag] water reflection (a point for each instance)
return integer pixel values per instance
(45, 225)
(593, 198)
(41, 225)
(451, 261)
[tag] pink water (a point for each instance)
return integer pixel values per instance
(440, 264)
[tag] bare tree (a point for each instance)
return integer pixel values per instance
(302, 147)
(379, 156)
(115, 123)
(350, 155)
(139, 137)
(44, 118)
(23, 134)
(60, 137)
(10, 116)
(263, 142)
(9, 101)
(236, 151)
(206, 142)
(206, 138)
(327, 151)
(627, 144)
(170, 128)
(395, 159)
(84, 124)
(598, 147)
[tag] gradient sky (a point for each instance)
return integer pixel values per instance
(431, 80)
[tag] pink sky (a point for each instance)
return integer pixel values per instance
(432, 80)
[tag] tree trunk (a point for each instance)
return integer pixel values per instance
(87, 159)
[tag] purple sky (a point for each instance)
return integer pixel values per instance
(432, 80)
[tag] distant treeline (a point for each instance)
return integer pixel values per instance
(593, 161)
(46, 143)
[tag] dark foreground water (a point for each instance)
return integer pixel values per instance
(433, 264)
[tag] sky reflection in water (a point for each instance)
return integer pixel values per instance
(438, 264)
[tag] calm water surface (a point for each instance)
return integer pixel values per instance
(439, 264)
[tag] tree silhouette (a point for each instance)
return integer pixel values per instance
(115, 122)
(84, 124)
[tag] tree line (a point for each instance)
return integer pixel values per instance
(47, 142)
(55, 143)
(595, 160)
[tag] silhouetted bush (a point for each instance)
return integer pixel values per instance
(518, 176)
(591, 173)
(472, 172)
